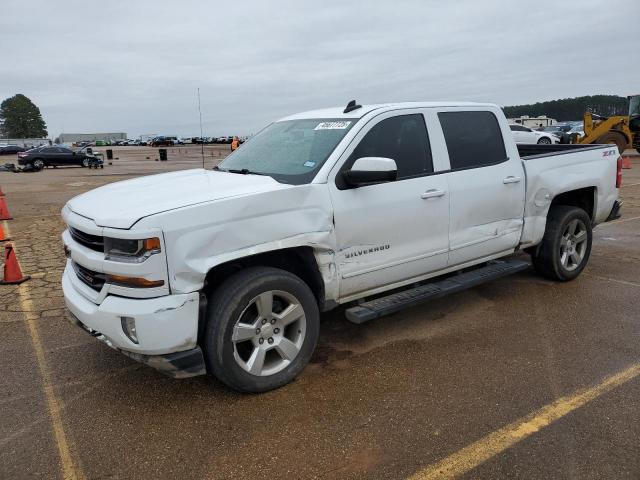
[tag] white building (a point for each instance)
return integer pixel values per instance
(92, 137)
(533, 122)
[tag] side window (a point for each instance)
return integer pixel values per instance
(473, 139)
(50, 150)
(404, 139)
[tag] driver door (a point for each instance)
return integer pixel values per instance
(391, 232)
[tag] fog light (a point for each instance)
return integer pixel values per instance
(129, 328)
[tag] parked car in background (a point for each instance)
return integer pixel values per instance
(566, 131)
(527, 135)
(53, 156)
(558, 129)
(186, 141)
(11, 149)
(163, 141)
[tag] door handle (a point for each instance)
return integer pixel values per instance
(433, 193)
(511, 179)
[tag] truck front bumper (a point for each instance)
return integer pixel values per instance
(166, 327)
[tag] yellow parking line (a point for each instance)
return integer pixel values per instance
(497, 442)
(70, 470)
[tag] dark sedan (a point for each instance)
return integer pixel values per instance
(11, 149)
(40, 157)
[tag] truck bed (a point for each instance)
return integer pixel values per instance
(532, 151)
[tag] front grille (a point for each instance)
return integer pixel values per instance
(94, 242)
(93, 279)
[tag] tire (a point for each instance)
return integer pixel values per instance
(247, 344)
(85, 163)
(545, 141)
(614, 138)
(562, 255)
(38, 164)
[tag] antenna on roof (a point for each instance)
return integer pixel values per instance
(351, 106)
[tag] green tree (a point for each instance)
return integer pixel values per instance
(572, 108)
(21, 118)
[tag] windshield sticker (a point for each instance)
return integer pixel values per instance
(332, 125)
(309, 164)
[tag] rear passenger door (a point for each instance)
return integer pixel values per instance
(51, 155)
(65, 156)
(486, 187)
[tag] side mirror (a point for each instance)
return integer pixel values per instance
(368, 170)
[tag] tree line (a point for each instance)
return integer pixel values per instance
(21, 118)
(568, 109)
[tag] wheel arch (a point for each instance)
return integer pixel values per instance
(584, 198)
(299, 261)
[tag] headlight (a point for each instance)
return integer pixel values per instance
(135, 251)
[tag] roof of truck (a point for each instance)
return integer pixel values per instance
(338, 112)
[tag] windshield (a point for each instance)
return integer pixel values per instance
(634, 106)
(291, 151)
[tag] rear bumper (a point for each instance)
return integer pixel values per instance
(615, 211)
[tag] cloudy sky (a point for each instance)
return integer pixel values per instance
(134, 66)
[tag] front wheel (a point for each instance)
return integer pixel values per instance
(262, 327)
(85, 162)
(566, 245)
(544, 141)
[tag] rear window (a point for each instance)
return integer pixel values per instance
(473, 139)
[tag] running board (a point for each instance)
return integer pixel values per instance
(415, 296)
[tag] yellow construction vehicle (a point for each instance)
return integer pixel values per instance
(623, 130)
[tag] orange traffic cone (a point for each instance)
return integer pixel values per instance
(626, 163)
(4, 210)
(12, 271)
(3, 236)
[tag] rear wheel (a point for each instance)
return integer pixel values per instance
(38, 164)
(262, 327)
(566, 245)
(614, 138)
(85, 163)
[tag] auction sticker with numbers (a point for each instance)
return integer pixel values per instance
(332, 125)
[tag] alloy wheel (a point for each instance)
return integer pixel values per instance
(269, 333)
(573, 244)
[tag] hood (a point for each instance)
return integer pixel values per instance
(122, 204)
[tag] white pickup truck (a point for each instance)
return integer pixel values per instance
(376, 207)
